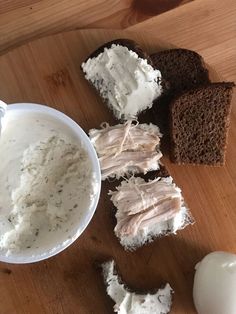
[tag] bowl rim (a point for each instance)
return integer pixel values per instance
(78, 131)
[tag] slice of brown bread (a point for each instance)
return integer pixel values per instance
(183, 70)
(199, 124)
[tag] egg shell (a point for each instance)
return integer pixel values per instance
(214, 290)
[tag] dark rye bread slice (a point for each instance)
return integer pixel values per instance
(183, 70)
(199, 124)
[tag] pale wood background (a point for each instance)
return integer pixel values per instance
(22, 20)
(208, 26)
(48, 71)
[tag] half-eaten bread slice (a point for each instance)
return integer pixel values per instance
(128, 302)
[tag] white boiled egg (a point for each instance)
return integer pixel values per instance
(214, 289)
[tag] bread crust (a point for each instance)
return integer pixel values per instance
(130, 44)
(128, 288)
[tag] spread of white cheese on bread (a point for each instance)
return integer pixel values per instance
(127, 148)
(127, 302)
(128, 83)
(146, 210)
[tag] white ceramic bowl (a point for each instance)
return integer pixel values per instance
(78, 228)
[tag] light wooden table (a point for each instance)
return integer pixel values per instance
(22, 20)
(210, 23)
(54, 286)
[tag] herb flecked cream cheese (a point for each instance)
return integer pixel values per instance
(45, 183)
(128, 83)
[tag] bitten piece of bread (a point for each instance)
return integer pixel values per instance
(128, 302)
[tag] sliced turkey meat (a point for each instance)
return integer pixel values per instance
(136, 162)
(147, 209)
(127, 148)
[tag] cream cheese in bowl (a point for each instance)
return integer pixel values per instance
(49, 183)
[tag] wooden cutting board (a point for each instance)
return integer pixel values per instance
(47, 71)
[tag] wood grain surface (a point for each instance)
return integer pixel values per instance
(47, 71)
(206, 26)
(22, 20)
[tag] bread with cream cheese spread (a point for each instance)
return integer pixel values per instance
(123, 75)
(129, 43)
